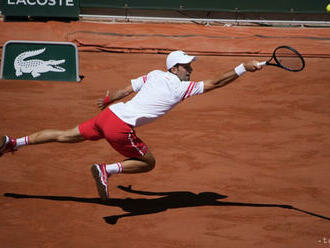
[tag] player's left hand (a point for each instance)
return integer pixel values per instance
(102, 103)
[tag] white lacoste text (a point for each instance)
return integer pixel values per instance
(41, 2)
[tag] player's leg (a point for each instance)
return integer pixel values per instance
(138, 165)
(85, 131)
(123, 139)
(8, 144)
(51, 135)
(101, 172)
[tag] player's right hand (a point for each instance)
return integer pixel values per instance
(252, 65)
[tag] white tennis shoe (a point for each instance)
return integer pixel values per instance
(101, 178)
(7, 144)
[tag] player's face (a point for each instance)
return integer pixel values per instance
(184, 71)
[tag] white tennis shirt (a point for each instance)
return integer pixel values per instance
(158, 93)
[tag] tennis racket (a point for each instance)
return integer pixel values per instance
(286, 58)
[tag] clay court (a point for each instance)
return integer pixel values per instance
(246, 165)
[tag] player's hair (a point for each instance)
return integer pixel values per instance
(176, 65)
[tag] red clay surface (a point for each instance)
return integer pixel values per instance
(259, 145)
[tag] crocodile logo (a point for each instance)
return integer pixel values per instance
(36, 66)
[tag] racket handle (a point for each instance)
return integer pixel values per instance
(262, 63)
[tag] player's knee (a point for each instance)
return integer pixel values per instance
(151, 163)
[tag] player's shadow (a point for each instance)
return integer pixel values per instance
(168, 200)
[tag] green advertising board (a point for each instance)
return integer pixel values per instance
(41, 8)
(277, 6)
(38, 60)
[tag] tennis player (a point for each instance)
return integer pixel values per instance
(157, 93)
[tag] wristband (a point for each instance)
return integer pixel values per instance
(106, 100)
(240, 70)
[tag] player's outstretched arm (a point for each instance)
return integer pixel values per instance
(230, 76)
(109, 98)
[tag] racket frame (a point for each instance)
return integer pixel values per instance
(278, 64)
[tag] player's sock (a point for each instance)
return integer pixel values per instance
(115, 168)
(22, 141)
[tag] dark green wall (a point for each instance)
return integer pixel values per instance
(280, 6)
(271, 6)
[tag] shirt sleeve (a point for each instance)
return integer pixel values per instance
(138, 83)
(190, 88)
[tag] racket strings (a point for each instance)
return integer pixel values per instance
(289, 59)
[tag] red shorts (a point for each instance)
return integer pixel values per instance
(119, 134)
